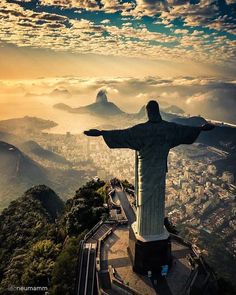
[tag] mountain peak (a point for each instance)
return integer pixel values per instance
(102, 96)
(47, 197)
(60, 92)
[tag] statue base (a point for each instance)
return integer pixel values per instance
(149, 255)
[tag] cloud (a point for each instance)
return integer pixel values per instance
(198, 98)
(83, 4)
(215, 104)
(105, 21)
(207, 13)
(36, 28)
(211, 97)
(110, 90)
(109, 6)
(148, 8)
(216, 15)
(170, 95)
(142, 95)
(112, 6)
(181, 31)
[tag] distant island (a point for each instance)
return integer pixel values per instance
(27, 124)
(57, 92)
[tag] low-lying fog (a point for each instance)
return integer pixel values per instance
(42, 107)
(207, 96)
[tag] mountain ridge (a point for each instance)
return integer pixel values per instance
(34, 148)
(48, 199)
(40, 247)
(18, 172)
(14, 163)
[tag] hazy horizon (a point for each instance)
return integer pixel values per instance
(180, 53)
(209, 97)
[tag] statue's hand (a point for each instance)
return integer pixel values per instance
(208, 127)
(93, 132)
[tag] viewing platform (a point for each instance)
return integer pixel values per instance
(188, 274)
(106, 268)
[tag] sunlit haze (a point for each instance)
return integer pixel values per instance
(178, 53)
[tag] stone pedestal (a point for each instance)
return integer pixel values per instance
(149, 255)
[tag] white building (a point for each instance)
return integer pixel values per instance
(212, 169)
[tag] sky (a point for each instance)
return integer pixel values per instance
(105, 42)
(37, 35)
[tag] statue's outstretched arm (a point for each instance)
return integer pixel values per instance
(122, 138)
(207, 127)
(93, 132)
(183, 134)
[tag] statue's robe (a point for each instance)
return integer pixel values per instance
(152, 140)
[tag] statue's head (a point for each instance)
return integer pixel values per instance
(153, 111)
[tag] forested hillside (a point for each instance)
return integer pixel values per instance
(40, 235)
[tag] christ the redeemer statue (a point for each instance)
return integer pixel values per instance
(152, 140)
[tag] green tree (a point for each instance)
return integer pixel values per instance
(64, 272)
(39, 263)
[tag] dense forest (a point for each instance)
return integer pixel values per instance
(40, 236)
